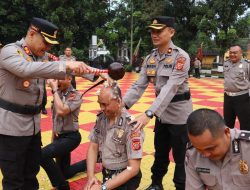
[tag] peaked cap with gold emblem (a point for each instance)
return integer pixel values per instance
(46, 28)
(160, 22)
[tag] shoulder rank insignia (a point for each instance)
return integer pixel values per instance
(244, 135)
(27, 50)
(244, 169)
(236, 146)
(120, 122)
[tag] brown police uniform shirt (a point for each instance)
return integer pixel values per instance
(21, 82)
(69, 122)
(169, 75)
(117, 143)
(236, 76)
(230, 174)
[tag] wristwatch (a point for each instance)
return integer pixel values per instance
(54, 91)
(149, 114)
(104, 187)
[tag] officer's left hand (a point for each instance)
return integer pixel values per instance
(52, 83)
(140, 122)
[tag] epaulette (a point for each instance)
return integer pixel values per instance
(244, 135)
(99, 113)
(247, 60)
(189, 146)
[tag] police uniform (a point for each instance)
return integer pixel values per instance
(117, 144)
(232, 173)
(236, 96)
(71, 58)
(66, 140)
(169, 75)
(21, 92)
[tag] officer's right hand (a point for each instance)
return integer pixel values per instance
(78, 67)
(91, 181)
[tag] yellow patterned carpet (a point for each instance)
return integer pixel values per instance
(206, 92)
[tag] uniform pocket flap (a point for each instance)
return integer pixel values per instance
(241, 180)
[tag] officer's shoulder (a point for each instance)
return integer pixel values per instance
(61, 56)
(182, 53)
(9, 49)
(244, 135)
(99, 115)
(189, 146)
(247, 60)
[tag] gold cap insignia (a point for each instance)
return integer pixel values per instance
(168, 60)
(55, 33)
(26, 83)
(155, 21)
(243, 167)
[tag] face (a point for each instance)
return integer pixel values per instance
(64, 84)
(235, 54)
(108, 105)
(214, 148)
(68, 52)
(162, 37)
(38, 45)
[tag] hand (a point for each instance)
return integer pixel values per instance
(52, 83)
(92, 182)
(78, 67)
(141, 121)
(96, 187)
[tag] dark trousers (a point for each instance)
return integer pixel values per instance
(169, 136)
(44, 101)
(132, 184)
(60, 149)
(197, 72)
(237, 106)
(19, 161)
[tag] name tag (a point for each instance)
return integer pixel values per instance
(203, 170)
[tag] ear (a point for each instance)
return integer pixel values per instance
(227, 131)
(172, 32)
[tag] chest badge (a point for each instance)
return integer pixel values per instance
(26, 84)
(119, 133)
(152, 60)
(168, 60)
(244, 169)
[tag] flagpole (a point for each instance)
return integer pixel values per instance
(131, 33)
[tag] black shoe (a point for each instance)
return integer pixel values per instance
(155, 187)
(44, 111)
(64, 186)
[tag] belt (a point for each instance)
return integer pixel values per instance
(22, 109)
(181, 97)
(108, 174)
(65, 133)
(236, 93)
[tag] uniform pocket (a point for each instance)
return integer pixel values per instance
(209, 181)
(242, 180)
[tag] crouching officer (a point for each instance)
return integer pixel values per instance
(66, 137)
(118, 146)
(219, 157)
(22, 73)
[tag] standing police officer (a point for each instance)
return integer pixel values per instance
(69, 57)
(219, 157)
(118, 146)
(236, 87)
(21, 90)
(167, 69)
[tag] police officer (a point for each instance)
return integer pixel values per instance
(118, 146)
(66, 137)
(69, 57)
(197, 67)
(21, 90)
(166, 67)
(219, 157)
(236, 87)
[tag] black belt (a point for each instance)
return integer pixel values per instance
(22, 109)
(181, 97)
(108, 174)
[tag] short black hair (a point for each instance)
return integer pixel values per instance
(203, 119)
(233, 45)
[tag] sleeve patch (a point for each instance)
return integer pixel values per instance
(136, 144)
(180, 62)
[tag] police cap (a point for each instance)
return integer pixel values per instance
(160, 22)
(46, 28)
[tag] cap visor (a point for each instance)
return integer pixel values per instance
(50, 41)
(156, 27)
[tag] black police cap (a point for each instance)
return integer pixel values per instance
(47, 29)
(161, 22)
